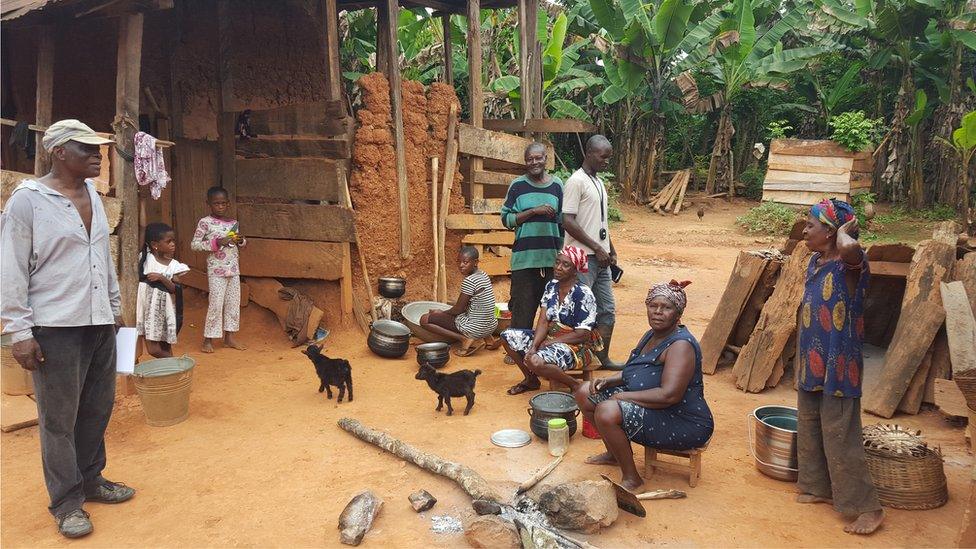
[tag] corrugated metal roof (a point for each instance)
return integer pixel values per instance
(12, 9)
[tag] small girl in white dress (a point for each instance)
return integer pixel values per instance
(159, 303)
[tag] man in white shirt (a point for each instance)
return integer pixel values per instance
(61, 305)
(585, 205)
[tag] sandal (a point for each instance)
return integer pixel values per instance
(492, 343)
(470, 349)
(523, 387)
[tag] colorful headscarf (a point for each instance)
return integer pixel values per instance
(673, 291)
(833, 213)
(577, 256)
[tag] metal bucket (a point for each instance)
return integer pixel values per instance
(14, 380)
(772, 440)
(163, 385)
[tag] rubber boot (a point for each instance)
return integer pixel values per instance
(606, 332)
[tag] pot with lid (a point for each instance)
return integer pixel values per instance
(551, 405)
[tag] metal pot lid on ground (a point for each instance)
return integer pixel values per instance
(511, 438)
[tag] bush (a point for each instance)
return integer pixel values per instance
(777, 129)
(752, 180)
(854, 130)
(770, 218)
(859, 201)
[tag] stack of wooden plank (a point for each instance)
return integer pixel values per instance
(749, 286)
(670, 198)
(807, 171)
(917, 353)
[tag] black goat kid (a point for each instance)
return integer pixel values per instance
(331, 371)
(457, 384)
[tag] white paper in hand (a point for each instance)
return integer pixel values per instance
(125, 350)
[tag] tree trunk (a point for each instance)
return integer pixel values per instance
(468, 479)
(899, 144)
(633, 173)
(654, 141)
(719, 168)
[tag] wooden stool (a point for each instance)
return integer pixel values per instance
(585, 375)
(693, 469)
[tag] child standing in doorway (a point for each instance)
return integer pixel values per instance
(219, 235)
(159, 302)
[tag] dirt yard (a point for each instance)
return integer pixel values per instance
(261, 462)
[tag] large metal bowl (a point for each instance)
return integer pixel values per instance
(388, 339)
(436, 354)
(411, 317)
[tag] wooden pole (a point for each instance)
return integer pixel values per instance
(382, 38)
(450, 166)
(525, 51)
(448, 50)
(127, 88)
(330, 17)
(434, 183)
(347, 197)
(396, 105)
(475, 91)
(45, 95)
(226, 118)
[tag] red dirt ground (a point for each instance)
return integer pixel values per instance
(261, 462)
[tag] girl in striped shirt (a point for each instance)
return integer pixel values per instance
(471, 320)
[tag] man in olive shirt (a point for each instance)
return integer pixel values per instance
(61, 306)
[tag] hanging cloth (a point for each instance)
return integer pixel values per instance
(149, 166)
(23, 138)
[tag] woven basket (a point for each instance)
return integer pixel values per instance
(907, 474)
(967, 384)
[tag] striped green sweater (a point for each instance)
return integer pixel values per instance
(539, 239)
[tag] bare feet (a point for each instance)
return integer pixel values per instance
(492, 343)
(810, 498)
(632, 484)
(866, 523)
(606, 458)
(207, 346)
(229, 341)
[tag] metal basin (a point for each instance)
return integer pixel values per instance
(772, 431)
(411, 316)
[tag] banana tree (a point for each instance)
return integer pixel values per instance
(641, 43)
(964, 146)
(562, 79)
(899, 31)
(746, 51)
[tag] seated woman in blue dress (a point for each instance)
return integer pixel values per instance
(658, 399)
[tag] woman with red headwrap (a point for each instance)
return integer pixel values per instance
(563, 338)
(658, 400)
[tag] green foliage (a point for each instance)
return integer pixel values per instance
(770, 218)
(752, 179)
(854, 130)
(777, 129)
(859, 201)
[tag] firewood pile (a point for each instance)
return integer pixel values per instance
(754, 325)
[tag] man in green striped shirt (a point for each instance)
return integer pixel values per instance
(532, 209)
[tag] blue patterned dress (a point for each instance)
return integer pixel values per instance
(832, 329)
(577, 311)
(683, 426)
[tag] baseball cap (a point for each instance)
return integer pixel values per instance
(63, 131)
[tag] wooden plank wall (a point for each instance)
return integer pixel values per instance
(807, 171)
(195, 170)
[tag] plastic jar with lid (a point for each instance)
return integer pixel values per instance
(558, 436)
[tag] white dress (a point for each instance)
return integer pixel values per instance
(156, 309)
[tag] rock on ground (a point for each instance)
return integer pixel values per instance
(357, 518)
(485, 507)
(491, 531)
(584, 506)
(421, 500)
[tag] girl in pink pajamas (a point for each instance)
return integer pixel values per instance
(218, 235)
